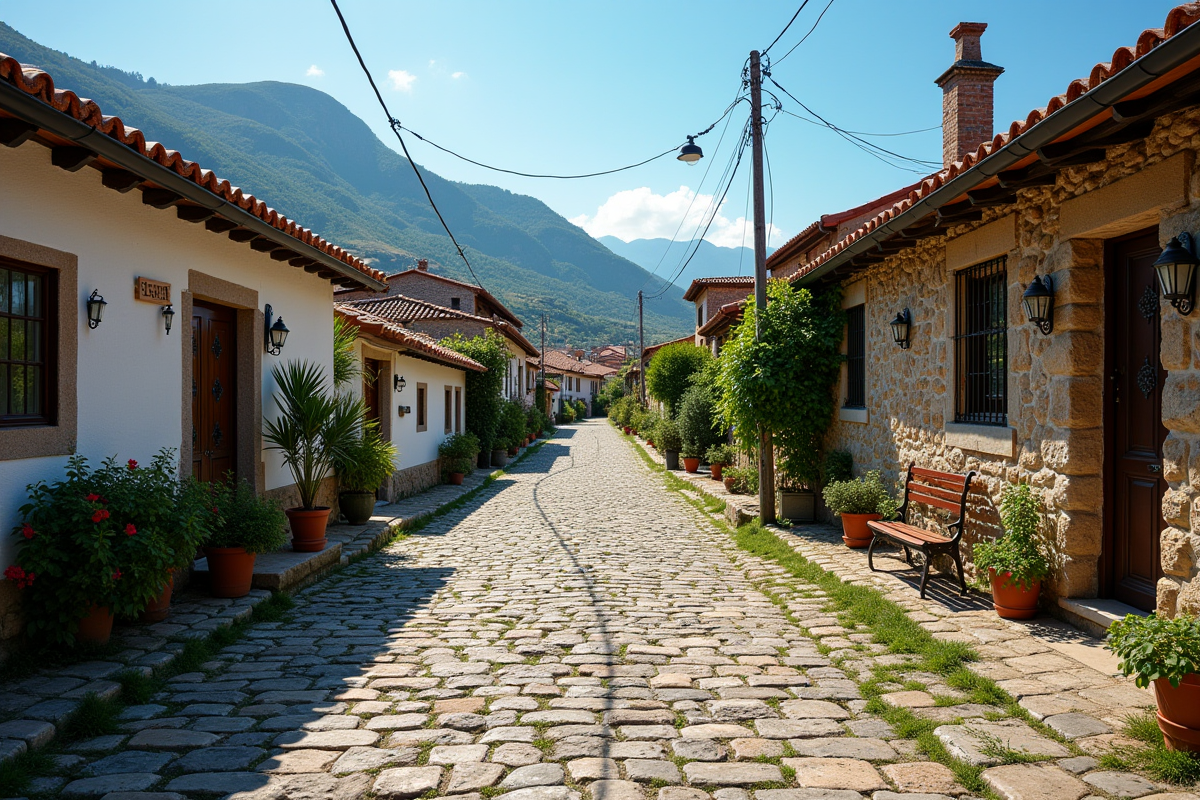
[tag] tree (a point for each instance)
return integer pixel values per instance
(483, 388)
(698, 417)
(669, 373)
(784, 382)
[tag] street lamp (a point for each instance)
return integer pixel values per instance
(1177, 273)
(900, 329)
(1038, 302)
(95, 309)
(276, 333)
(168, 315)
(690, 153)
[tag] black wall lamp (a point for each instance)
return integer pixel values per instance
(276, 334)
(1038, 302)
(95, 309)
(1176, 269)
(901, 326)
(398, 383)
(168, 314)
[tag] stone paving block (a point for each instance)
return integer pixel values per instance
(167, 739)
(513, 754)
(681, 793)
(401, 783)
(751, 749)
(360, 759)
(716, 731)
(299, 761)
(982, 743)
(846, 747)
(473, 776)
(701, 773)
(325, 740)
(129, 761)
(835, 773)
(457, 754)
(1034, 782)
(103, 784)
(812, 709)
(35, 733)
(646, 770)
(1075, 725)
(927, 777)
(533, 775)
(1121, 784)
(811, 794)
(615, 790)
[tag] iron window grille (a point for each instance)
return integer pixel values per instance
(856, 357)
(27, 346)
(981, 344)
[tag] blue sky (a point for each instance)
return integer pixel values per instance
(571, 87)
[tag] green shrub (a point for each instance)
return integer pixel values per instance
(744, 480)
(366, 461)
(666, 435)
(581, 409)
(838, 466)
(458, 453)
(1018, 551)
(1152, 647)
(721, 454)
(698, 418)
(535, 421)
(669, 373)
(247, 520)
(511, 431)
(867, 495)
(612, 390)
(566, 414)
(483, 388)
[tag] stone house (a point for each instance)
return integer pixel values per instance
(709, 294)
(1100, 413)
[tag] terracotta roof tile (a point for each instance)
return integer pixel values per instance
(726, 316)
(413, 340)
(405, 310)
(40, 84)
(558, 361)
(730, 280)
(471, 287)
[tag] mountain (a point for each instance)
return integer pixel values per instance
(310, 158)
(710, 260)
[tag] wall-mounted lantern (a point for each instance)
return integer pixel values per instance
(95, 309)
(901, 326)
(1176, 269)
(398, 383)
(1038, 302)
(168, 314)
(276, 333)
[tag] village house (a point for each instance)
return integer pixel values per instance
(1090, 390)
(610, 355)
(415, 389)
(133, 279)
(579, 379)
(710, 294)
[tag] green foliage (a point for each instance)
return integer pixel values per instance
(612, 390)
(666, 435)
(458, 453)
(622, 410)
(698, 418)
(1018, 551)
(838, 466)
(107, 537)
(313, 428)
(366, 461)
(345, 360)
(566, 414)
(669, 373)
(744, 480)
(247, 520)
(867, 495)
(784, 383)
(1155, 647)
(720, 454)
(535, 420)
(581, 409)
(483, 388)
(511, 431)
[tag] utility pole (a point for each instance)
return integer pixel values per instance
(542, 363)
(641, 352)
(766, 450)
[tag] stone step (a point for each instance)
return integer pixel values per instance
(1095, 614)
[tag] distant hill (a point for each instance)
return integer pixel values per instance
(709, 261)
(305, 154)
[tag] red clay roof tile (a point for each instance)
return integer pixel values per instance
(394, 332)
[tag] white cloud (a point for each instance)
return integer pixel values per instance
(642, 214)
(315, 72)
(402, 81)
(457, 75)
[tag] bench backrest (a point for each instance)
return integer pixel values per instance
(944, 490)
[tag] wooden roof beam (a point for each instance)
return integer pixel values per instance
(120, 180)
(15, 132)
(72, 159)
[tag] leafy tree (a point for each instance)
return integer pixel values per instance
(669, 373)
(698, 417)
(784, 383)
(483, 388)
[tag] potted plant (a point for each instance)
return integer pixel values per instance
(312, 431)
(795, 499)
(741, 480)
(247, 525)
(857, 502)
(690, 453)
(1015, 562)
(666, 435)
(191, 522)
(719, 456)
(458, 456)
(366, 461)
(1165, 652)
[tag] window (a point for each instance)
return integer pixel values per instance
(981, 344)
(699, 316)
(446, 411)
(28, 352)
(422, 407)
(458, 409)
(455, 303)
(856, 357)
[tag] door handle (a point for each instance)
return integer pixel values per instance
(208, 453)
(1154, 467)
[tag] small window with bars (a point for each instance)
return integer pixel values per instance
(981, 344)
(27, 350)
(856, 357)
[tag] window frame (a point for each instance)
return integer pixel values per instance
(981, 343)
(48, 414)
(447, 397)
(422, 407)
(458, 409)
(856, 357)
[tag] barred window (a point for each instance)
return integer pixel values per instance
(981, 344)
(856, 357)
(27, 348)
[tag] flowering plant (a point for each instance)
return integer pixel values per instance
(106, 537)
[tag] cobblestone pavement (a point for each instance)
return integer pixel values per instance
(577, 631)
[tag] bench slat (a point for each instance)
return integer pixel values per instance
(946, 494)
(930, 500)
(950, 477)
(904, 532)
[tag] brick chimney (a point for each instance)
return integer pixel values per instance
(423, 264)
(966, 95)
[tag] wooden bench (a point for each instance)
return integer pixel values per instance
(944, 490)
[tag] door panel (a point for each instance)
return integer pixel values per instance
(214, 392)
(1135, 418)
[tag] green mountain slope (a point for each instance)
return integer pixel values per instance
(308, 156)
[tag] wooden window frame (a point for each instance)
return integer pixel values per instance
(981, 343)
(458, 409)
(448, 397)
(856, 357)
(47, 414)
(422, 407)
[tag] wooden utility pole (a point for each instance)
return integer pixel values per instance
(542, 366)
(641, 353)
(766, 450)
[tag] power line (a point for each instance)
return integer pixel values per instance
(865, 133)
(810, 30)
(395, 126)
(785, 27)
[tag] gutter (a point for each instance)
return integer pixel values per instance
(34, 111)
(1173, 52)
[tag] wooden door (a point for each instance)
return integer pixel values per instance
(1135, 432)
(214, 391)
(370, 374)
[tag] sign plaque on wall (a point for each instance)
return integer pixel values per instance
(149, 290)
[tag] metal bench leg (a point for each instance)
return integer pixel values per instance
(962, 582)
(907, 555)
(924, 575)
(871, 552)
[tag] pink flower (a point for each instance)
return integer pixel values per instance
(117, 575)
(27, 531)
(131, 464)
(130, 530)
(99, 515)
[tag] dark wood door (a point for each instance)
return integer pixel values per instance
(370, 374)
(1134, 419)
(214, 391)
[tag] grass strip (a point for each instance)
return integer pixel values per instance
(1171, 766)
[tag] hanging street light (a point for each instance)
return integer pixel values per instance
(690, 153)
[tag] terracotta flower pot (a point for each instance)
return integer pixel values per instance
(158, 608)
(357, 507)
(716, 470)
(1179, 712)
(1013, 599)
(456, 478)
(230, 571)
(96, 627)
(729, 485)
(855, 532)
(691, 464)
(308, 528)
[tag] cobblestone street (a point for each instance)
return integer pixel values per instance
(579, 630)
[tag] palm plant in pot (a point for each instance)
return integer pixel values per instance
(1015, 562)
(858, 502)
(247, 525)
(719, 456)
(363, 465)
(457, 454)
(312, 431)
(1165, 652)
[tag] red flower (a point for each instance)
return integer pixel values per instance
(130, 530)
(91, 498)
(117, 575)
(19, 576)
(132, 464)
(99, 515)
(214, 510)
(27, 531)
(103, 499)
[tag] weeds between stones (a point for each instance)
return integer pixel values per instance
(1154, 758)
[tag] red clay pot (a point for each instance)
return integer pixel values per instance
(512, 451)
(308, 528)
(855, 532)
(728, 484)
(1179, 712)
(626, 429)
(715, 469)
(691, 464)
(230, 571)
(158, 608)
(456, 478)
(96, 627)
(1013, 599)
